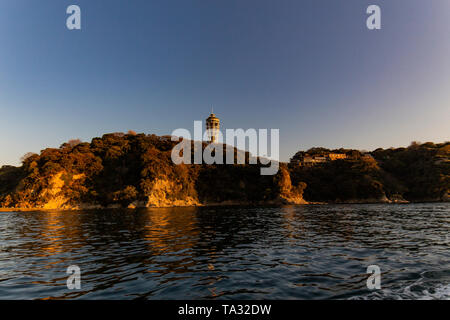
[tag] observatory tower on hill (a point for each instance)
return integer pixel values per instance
(213, 127)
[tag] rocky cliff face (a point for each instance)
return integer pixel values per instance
(162, 193)
(287, 193)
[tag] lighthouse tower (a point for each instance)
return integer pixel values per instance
(213, 127)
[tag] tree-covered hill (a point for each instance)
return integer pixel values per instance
(420, 172)
(134, 170)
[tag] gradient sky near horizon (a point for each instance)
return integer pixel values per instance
(308, 67)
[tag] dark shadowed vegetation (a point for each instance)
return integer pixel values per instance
(420, 172)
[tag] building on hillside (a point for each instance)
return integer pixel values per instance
(337, 156)
(305, 159)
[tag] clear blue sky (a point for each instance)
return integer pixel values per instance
(308, 67)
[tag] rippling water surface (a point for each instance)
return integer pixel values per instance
(305, 252)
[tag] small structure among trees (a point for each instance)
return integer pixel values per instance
(320, 155)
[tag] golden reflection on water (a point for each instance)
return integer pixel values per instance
(60, 232)
(171, 233)
(177, 231)
(293, 223)
(52, 233)
(171, 229)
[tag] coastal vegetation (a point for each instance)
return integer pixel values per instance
(420, 172)
(135, 170)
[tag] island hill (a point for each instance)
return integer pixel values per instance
(135, 170)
